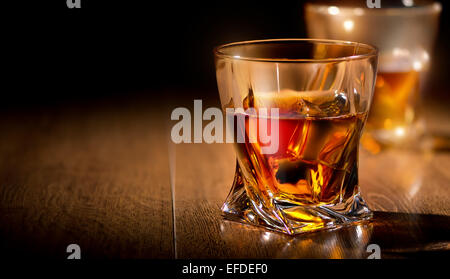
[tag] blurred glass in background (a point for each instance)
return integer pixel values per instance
(404, 32)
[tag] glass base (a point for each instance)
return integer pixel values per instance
(289, 218)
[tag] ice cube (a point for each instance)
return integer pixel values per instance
(326, 105)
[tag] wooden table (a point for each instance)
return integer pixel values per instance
(106, 177)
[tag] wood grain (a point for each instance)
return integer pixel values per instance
(411, 204)
(408, 190)
(97, 178)
(102, 176)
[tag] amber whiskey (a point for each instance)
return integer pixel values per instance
(316, 161)
(395, 97)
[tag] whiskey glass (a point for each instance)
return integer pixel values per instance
(321, 91)
(404, 32)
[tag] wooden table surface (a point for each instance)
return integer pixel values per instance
(107, 177)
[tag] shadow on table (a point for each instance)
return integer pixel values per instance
(399, 235)
(411, 235)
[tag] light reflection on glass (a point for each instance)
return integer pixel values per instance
(347, 242)
(348, 25)
(333, 10)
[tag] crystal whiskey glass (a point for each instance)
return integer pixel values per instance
(322, 91)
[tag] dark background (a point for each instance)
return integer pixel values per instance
(124, 49)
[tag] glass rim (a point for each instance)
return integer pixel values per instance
(372, 53)
(433, 7)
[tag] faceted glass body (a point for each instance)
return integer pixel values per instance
(322, 91)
